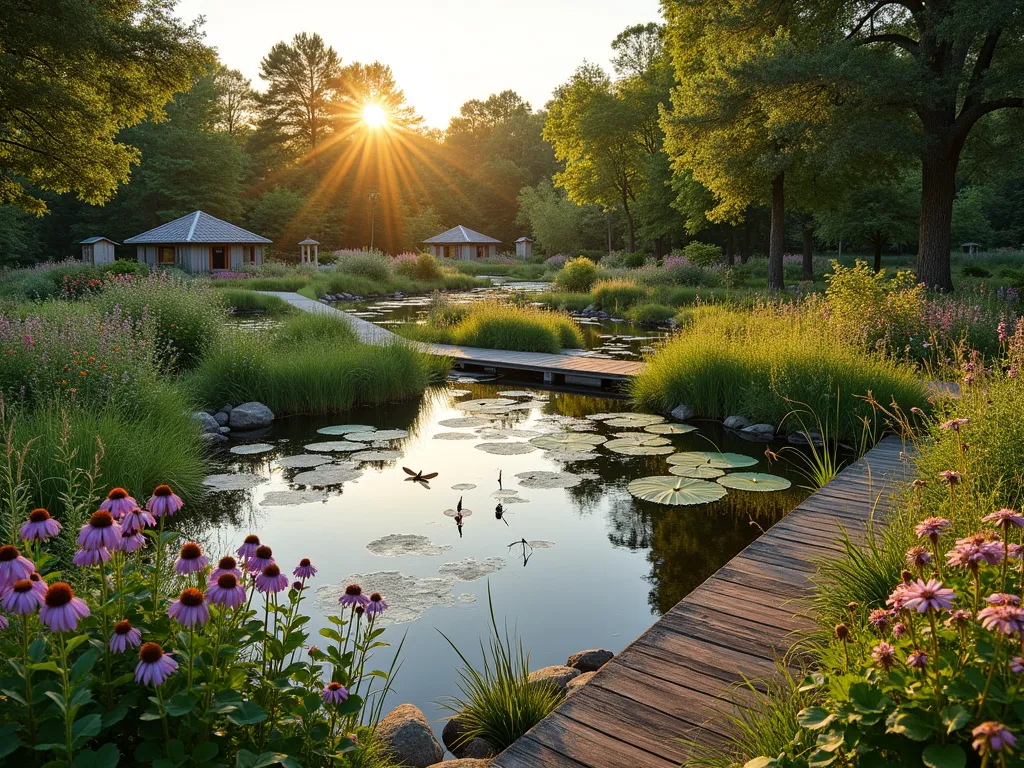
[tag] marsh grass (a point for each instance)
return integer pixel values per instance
(725, 362)
(369, 277)
(240, 299)
(618, 295)
(498, 703)
(650, 313)
(564, 300)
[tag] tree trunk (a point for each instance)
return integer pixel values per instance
(877, 240)
(938, 189)
(730, 247)
(777, 240)
(808, 253)
(630, 234)
(745, 243)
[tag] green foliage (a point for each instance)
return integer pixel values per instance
(578, 275)
(867, 308)
(422, 267)
(303, 78)
(558, 224)
(970, 224)
(618, 295)
(244, 300)
(124, 267)
(650, 314)
(498, 703)
(498, 325)
(702, 254)
(373, 265)
(563, 300)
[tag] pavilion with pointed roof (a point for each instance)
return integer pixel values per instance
(199, 242)
(461, 242)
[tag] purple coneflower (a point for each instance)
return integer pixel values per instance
(928, 596)
(38, 584)
(137, 520)
(3, 622)
(154, 665)
(334, 693)
(190, 608)
(118, 503)
(918, 557)
(353, 596)
(1001, 598)
(932, 528)
(271, 580)
(1017, 665)
(973, 551)
(1005, 518)
(190, 560)
(899, 629)
(248, 548)
(880, 619)
(1006, 619)
(225, 565)
(13, 566)
(898, 599)
(164, 502)
(132, 542)
(21, 599)
(125, 636)
(264, 556)
(305, 569)
(376, 604)
(40, 526)
(226, 591)
(959, 619)
(61, 610)
(917, 659)
(884, 655)
(955, 424)
(951, 476)
(993, 737)
(89, 557)
(101, 532)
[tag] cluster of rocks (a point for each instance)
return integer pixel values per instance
(345, 296)
(409, 738)
(760, 432)
(591, 311)
(245, 420)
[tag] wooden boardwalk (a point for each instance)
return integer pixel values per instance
(676, 681)
(556, 368)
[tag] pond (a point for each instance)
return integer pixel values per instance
(599, 567)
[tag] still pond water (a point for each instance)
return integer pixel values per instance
(601, 565)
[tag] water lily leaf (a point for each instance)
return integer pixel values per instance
(606, 416)
(381, 454)
(704, 471)
(579, 442)
(669, 429)
(324, 476)
(303, 461)
(459, 392)
(291, 498)
(637, 438)
(465, 422)
(484, 402)
(712, 459)
(506, 449)
(455, 436)
(675, 491)
(336, 446)
(635, 420)
(571, 456)
(344, 429)
(516, 393)
(380, 435)
(239, 482)
(754, 481)
(545, 479)
(453, 513)
(641, 450)
(464, 487)
(249, 449)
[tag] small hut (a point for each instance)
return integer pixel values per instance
(524, 248)
(971, 249)
(462, 243)
(98, 250)
(309, 250)
(199, 242)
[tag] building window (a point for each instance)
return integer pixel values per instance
(87, 256)
(481, 251)
(248, 254)
(218, 257)
(165, 255)
(448, 252)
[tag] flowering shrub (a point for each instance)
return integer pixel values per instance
(139, 654)
(375, 265)
(420, 266)
(578, 275)
(702, 254)
(865, 307)
(80, 286)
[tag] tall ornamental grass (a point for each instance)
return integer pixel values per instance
(242, 300)
(756, 364)
(618, 295)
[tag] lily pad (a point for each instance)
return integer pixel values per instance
(380, 454)
(408, 597)
(336, 446)
(675, 491)
(465, 422)
(403, 544)
(453, 512)
(545, 479)
(470, 569)
(344, 429)
(459, 392)
(505, 494)
(325, 476)
(506, 449)
(303, 461)
(484, 402)
(703, 472)
(516, 393)
(249, 449)
(381, 435)
(637, 438)
(567, 456)
(635, 420)
(291, 498)
(754, 481)
(515, 500)
(569, 441)
(606, 416)
(236, 482)
(455, 436)
(463, 486)
(712, 459)
(669, 429)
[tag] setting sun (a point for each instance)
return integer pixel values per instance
(374, 115)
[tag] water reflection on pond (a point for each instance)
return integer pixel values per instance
(602, 566)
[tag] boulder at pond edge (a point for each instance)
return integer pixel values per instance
(407, 735)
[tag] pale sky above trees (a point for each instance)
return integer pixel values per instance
(442, 52)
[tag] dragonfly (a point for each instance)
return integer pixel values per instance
(419, 477)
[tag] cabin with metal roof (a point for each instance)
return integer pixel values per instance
(462, 243)
(199, 242)
(98, 250)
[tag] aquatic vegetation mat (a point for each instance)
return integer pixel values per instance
(408, 597)
(506, 449)
(403, 544)
(545, 479)
(470, 569)
(291, 498)
(455, 436)
(236, 482)
(303, 461)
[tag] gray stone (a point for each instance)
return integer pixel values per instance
(466, 763)
(221, 417)
(805, 438)
(590, 660)
(226, 408)
(250, 416)
(407, 735)
(762, 431)
(452, 735)
(736, 422)
(578, 682)
(213, 437)
(682, 412)
(476, 749)
(556, 676)
(224, 430)
(206, 422)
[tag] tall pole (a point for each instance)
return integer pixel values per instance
(373, 202)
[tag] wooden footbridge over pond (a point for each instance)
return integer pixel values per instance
(576, 370)
(675, 685)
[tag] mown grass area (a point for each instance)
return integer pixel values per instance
(496, 325)
(760, 364)
(310, 364)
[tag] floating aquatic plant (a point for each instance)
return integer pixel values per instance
(675, 491)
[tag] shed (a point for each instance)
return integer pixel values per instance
(199, 242)
(98, 250)
(524, 248)
(971, 249)
(462, 243)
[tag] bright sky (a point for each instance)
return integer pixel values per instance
(442, 52)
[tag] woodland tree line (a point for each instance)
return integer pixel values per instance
(760, 125)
